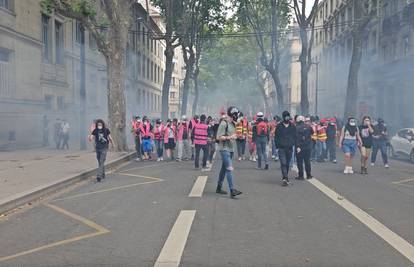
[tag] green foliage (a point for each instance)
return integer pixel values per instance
(81, 7)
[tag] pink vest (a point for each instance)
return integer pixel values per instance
(146, 132)
(200, 134)
(181, 131)
(159, 132)
(166, 133)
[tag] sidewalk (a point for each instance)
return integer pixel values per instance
(25, 170)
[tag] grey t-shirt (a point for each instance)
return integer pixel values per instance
(229, 144)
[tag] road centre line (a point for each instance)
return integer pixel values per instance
(100, 230)
(198, 187)
(396, 241)
(171, 253)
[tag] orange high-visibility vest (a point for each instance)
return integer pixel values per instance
(315, 132)
(322, 133)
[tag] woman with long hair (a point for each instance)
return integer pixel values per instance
(366, 131)
(349, 141)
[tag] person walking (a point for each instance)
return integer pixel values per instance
(250, 141)
(321, 141)
(261, 137)
(380, 136)
(303, 147)
(184, 140)
(65, 134)
(45, 123)
(331, 133)
(102, 137)
(349, 141)
(226, 135)
(365, 130)
(285, 138)
(158, 139)
(146, 135)
(200, 141)
(211, 141)
(57, 136)
(241, 137)
(169, 139)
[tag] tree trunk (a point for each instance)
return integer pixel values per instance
(116, 97)
(169, 67)
(304, 65)
(352, 87)
(196, 91)
(280, 105)
(189, 67)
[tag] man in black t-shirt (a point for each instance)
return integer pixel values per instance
(102, 137)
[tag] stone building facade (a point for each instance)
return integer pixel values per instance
(387, 65)
(40, 72)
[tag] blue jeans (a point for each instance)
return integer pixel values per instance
(320, 150)
(382, 146)
(274, 149)
(159, 144)
(226, 169)
(261, 144)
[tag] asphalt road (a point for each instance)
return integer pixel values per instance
(130, 220)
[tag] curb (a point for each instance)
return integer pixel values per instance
(23, 198)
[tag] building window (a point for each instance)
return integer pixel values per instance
(5, 4)
(60, 103)
(172, 95)
(148, 69)
(46, 38)
(59, 42)
(48, 102)
(406, 45)
(4, 56)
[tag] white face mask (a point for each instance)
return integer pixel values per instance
(100, 127)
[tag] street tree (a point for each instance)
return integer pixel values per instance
(306, 23)
(108, 21)
(172, 11)
(364, 11)
(269, 27)
(200, 18)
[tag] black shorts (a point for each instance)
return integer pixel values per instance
(170, 144)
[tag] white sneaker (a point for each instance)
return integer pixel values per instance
(240, 158)
(372, 164)
(346, 170)
(386, 166)
(158, 159)
(350, 170)
(254, 159)
(137, 159)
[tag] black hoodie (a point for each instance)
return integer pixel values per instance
(285, 137)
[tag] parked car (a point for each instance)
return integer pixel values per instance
(402, 144)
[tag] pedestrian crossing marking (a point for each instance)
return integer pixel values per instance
(396, 241)
(100, 230)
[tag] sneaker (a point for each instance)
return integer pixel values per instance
(220, 191)
(386, 166)
(362, 170)
(240, 159)
(162, 158)
(346, 170)
(285, 182)
(138, 159)
(158, 159)
(273, 157)
(276, 158)
(308, 177)
(254, 159)
(266, 167)
(334, 161)
(350, 170)
(234, 193)
(98, 179)
(372, 164)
